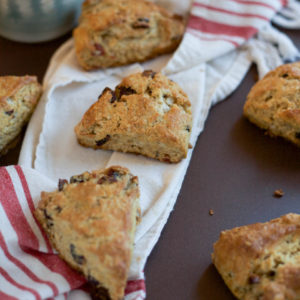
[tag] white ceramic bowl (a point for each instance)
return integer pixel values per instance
(37, 20)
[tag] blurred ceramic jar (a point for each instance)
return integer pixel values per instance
(37, 20)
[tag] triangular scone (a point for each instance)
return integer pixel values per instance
(261, 261)
(91, 221)
(119, 32)
(18, 97)
(273, 103)
(146, 114)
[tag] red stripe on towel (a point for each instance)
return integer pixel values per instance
(19, 286)
(134, 286)
(203, 25)
(31, 205)
(25, 269)
(14, 212)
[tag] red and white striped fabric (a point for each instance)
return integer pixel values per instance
(216, 27)
(230, 21)
(29, 268)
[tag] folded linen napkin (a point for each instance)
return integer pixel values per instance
(208, 65)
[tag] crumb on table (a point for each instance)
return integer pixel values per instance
(278, 193)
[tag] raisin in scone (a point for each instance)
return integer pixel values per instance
(91, 221)
(274, 103)
(119, 32)
(147, 114)
(261, 261)
(18, 98)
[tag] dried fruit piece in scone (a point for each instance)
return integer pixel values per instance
(18, 98)
(91, 221)
(147, 114)
(118, 32)
(262, 260)
(273, 103)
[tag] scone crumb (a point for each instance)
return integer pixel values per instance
(278, 193)
(190, 146)
(211, 212)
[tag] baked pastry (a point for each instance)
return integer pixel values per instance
(91, 222)
(18, 98)
(274, 103)
(146, 114)
(119, 32)
(261, 261)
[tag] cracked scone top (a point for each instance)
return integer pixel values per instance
(146, 114)
(91, 221)
(261, 261)
(274, 103)
(18, 98)
(119, 32)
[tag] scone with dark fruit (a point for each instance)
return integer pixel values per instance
(261, 261)
(119, 32)
(18, 98)
(91, 221)
(274, 103)
(146, 114)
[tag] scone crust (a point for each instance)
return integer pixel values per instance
(118, 32)
(18, 98)
(262, 260)
(146, 114)
(274, 103)
(91, 222)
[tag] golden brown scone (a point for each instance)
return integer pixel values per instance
(274, 103)
(91, 221)
(18, 98)
(146, 114)
(119, 32)
(261, 261)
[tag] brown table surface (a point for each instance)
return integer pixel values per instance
(234, 170)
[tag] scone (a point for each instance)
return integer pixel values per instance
(261, 261)
(274, 103)
(119, 32)
(91, 222)
(18, 98)
(146, 114)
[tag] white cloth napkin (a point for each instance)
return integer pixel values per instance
(216, 52)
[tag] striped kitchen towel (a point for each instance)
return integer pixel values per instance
(223, 38)
(29, 267)
(217, 27)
